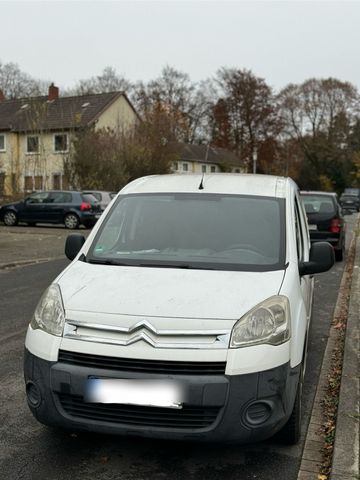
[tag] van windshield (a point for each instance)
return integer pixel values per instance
(202, 231)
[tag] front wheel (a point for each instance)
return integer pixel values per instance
(10, 219)
(71, 221)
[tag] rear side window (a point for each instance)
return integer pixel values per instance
(60, 197)
(319, 204)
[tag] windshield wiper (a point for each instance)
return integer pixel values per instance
(174, 265)
(107, 261)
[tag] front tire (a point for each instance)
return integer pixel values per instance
(71, 221)
(10, 219)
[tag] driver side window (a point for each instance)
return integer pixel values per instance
(39, 197)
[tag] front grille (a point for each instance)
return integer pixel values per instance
(142, 366)
(135, 415)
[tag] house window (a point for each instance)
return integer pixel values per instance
(57, 181)
(203, 168)
(185, 167)
(32, 183)
(32, 145)
(212, 169)
(2, 143)
(176, 166)
(61, 143)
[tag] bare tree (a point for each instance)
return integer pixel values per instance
(108, 81)
(176, 95)
(319, 114)
(15, 84)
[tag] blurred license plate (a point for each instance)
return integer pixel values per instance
(97, 215)
(150, 393)
(312, 227)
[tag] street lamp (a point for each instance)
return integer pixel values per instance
(254, 160)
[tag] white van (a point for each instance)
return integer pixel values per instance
(184, 315)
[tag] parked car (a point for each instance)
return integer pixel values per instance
(352, 191)
(104, 198)
(350, 203)
(184, 315)
(326, 222)
(68, 207)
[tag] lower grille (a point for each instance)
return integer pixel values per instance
(142, 366)
(134, 415)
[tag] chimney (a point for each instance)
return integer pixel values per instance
(2, 96)
(53, 92)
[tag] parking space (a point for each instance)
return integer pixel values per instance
(23, 244)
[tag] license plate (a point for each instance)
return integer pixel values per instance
(150, 393)
(97, 215)
(312, 227)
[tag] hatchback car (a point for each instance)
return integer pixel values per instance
(104, 198)
(326, 222)
(68, 207)
(350, 203)
(184, 315)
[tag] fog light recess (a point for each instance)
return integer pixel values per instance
(258, 412)
(33, 394)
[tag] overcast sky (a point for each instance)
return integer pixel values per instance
(282, 41)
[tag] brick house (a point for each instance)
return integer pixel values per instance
(36, 134)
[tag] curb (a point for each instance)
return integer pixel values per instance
(311, 459)
(24, 263)
(345, 464)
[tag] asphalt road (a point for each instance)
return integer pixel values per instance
(29, 450)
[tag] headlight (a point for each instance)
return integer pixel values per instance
(49, 314)
(268, 322)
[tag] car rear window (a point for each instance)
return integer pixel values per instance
(97, 195)
(90, 198)
(224, 232)
(349, 197)
(322, 204)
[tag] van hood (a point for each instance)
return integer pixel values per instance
(165, 292)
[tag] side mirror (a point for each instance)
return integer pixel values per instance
(322, 258)
(73, 245)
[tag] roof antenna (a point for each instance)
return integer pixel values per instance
(201, 186)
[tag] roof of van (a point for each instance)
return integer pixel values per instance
(245, 184)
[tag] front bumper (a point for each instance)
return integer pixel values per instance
(238, 408)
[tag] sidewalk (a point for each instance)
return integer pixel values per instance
(345, 464)
(345, 455)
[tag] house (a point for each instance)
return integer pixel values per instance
(36, 134)
(193, 158)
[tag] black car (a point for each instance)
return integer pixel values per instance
(350, 203)
(68, 207)
(326, 223)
